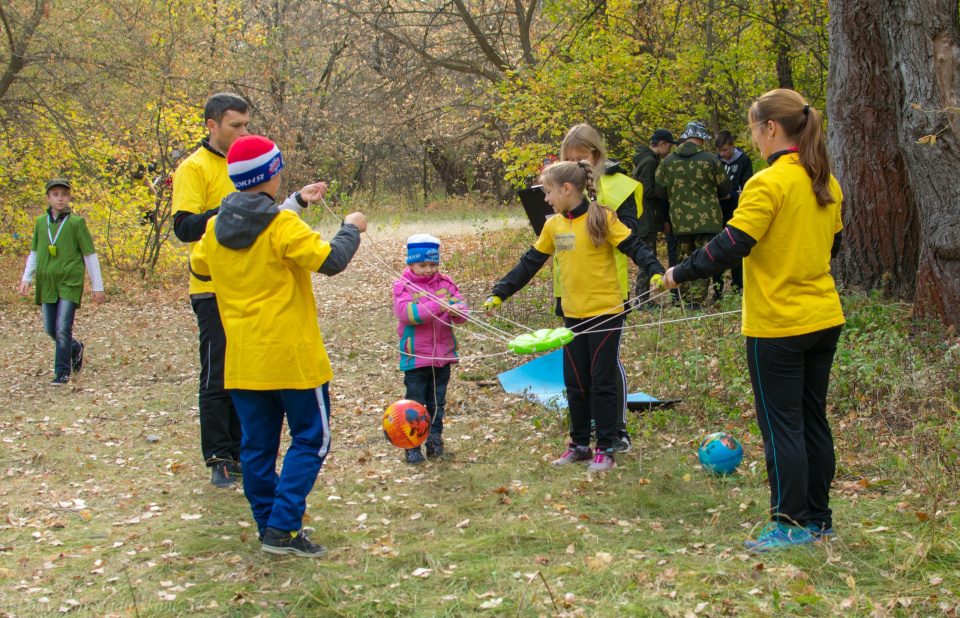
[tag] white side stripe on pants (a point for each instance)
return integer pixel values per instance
(325, 447)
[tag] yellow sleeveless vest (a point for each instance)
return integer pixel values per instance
(613, 190)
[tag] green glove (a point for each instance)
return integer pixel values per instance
(492, 304)
(657, 281)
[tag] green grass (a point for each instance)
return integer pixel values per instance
(661, 539)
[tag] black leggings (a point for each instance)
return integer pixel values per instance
(790, 376)
(591, 372)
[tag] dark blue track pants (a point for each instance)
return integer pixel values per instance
(790, 376)
(279, 501)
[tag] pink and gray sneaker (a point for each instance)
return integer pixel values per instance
(574, 454)
(603, 461)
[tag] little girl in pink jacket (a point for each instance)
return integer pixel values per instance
(427, 303)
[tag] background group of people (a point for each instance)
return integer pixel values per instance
(689, 195)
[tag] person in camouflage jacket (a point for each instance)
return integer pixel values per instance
(693, 181)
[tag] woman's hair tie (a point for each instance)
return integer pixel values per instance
(806, 109)
(581, 164)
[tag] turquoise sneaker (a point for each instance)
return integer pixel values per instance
(776, 536)
(821, 534)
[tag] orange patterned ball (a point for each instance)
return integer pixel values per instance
(406, 423)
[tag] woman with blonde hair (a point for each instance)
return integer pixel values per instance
(786, 229)
(619, 192)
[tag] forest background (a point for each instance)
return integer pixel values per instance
(406, 104)
(415, 106)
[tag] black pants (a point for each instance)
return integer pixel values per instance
(591, 370)
(428, 387)
(220, 432)
(790, 376)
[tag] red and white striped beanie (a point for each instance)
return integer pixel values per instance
(252, 160)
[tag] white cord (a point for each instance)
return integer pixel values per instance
(492, 330)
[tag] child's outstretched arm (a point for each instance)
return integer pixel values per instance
(300, 200)
(518, 277)
(28, 272)
(298, 243)
(413, 311)
(636, 250)
(344, 245)
(459, 310)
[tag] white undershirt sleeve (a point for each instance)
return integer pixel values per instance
(292, 205)
(31, 268)
(93, 269)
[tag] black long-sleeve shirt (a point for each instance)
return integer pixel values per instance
(189, 227)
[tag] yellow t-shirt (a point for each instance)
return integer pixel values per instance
(787, 286)
(199, 184)
(266, 302)
(588, 275)
(612, 191)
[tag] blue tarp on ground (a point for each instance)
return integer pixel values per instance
(542, 379)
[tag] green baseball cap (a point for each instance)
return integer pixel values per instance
(58, 182)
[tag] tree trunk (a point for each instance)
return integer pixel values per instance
(925, 43)
(894, 80)
(881, 225)
(452, 174)
(781, 44)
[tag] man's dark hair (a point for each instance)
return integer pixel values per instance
(723, 138)
(221, 103)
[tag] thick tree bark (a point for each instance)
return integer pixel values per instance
(894, 79)
(782, 45)
(926, 53)
(864, 101)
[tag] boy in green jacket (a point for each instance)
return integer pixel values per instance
(60, 252)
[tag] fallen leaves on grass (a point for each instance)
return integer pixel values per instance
(600, 561)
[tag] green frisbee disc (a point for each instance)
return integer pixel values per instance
(541, 341)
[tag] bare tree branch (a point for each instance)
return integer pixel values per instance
(18, 48)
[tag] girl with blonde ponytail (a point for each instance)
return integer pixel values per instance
(582, 238)
(786, 229)
(617, 190)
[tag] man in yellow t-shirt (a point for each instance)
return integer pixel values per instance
(259, 259)
(199, 185)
